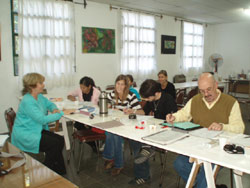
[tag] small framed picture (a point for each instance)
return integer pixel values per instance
(168, 44)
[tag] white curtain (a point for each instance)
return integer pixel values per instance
(138, 45)
(192, 49)
(46, 36)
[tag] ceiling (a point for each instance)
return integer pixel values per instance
(204, 11)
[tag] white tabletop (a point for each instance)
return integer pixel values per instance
(190, 146)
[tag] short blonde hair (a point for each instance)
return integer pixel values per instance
(30, 81)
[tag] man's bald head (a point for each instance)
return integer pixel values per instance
(208, 87)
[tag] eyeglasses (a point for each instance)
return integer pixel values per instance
(233, 149)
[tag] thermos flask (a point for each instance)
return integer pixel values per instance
(103, 104)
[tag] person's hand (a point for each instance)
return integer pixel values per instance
(56, 111)
(68, 111)
(170, 118)
(71, 98)
(128, 111)
(215, 126)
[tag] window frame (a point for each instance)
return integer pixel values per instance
(14, 35)
(193, 57)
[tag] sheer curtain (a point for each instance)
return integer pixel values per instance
(192, 48)
(138, 45)
(46, 34)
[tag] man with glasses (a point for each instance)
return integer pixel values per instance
(211, 109)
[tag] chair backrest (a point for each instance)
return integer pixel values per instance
(10, 116)
(179, 78)
(192, 93)
(110, 87)
(180, 97)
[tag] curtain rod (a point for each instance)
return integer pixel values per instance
(136, 10)
(191, 21)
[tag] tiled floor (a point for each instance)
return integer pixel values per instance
(93, 175)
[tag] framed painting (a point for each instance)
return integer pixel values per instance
(168, 44)
(98, 40)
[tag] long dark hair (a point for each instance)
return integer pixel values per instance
(87, 81)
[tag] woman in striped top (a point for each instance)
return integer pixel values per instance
(123, 100)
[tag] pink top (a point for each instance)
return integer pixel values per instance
(94, 97)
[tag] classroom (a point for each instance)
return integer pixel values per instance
(183, 37)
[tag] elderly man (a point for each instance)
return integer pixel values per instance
(212, 109)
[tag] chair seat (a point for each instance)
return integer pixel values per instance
(88, 135)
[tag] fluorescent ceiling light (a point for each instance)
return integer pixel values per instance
(246, 11)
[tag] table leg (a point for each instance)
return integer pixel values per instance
(193, 174)
(237, 178)
(209, 174)
(65, 134)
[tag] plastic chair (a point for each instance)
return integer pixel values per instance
(10, 116)
(86, 135)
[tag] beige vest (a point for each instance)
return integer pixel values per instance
(219, 113)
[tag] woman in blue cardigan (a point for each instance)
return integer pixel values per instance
(30, 132)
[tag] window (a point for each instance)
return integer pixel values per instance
(15, 38)
(138, 44)
(193, 42)
(46, 38)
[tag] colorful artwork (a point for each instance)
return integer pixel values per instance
(98, 40)
(168, 44)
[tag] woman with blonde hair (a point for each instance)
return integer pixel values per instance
(123, 100)
(30, 132)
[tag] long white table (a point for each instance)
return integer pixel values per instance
(190, 146)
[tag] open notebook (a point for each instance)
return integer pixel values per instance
(165, 137)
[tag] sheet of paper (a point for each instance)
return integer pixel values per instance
(108, 124)
(165, 137)
(241, 140)
(3, 139)
(205, 133)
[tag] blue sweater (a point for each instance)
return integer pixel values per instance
(133, 90)
(31, 118)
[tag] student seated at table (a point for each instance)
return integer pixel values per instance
(158, 104)
(123, 99)
(166, 86)
(212, 109)
(86, 92)
(30, 132)
(131, 88)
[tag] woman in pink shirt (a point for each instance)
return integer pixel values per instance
(86, 92)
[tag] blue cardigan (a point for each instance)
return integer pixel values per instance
(31, 118)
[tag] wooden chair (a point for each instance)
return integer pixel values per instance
(110, 87)
(180, 96)
(83, 136)
(191, 93)
(10, 116)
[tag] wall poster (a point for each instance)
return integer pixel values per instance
(98, 40)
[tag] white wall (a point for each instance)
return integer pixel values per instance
(103, 68)
(232, 41)
(8, 83)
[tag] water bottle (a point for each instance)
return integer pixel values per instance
(103, 104)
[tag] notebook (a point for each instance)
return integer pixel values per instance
(183, 125)
(165, 137)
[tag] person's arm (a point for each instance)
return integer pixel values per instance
(49, 105)
(235, 124)
(73, 94)
(95, 96)
(182, 115)
(35, 113)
